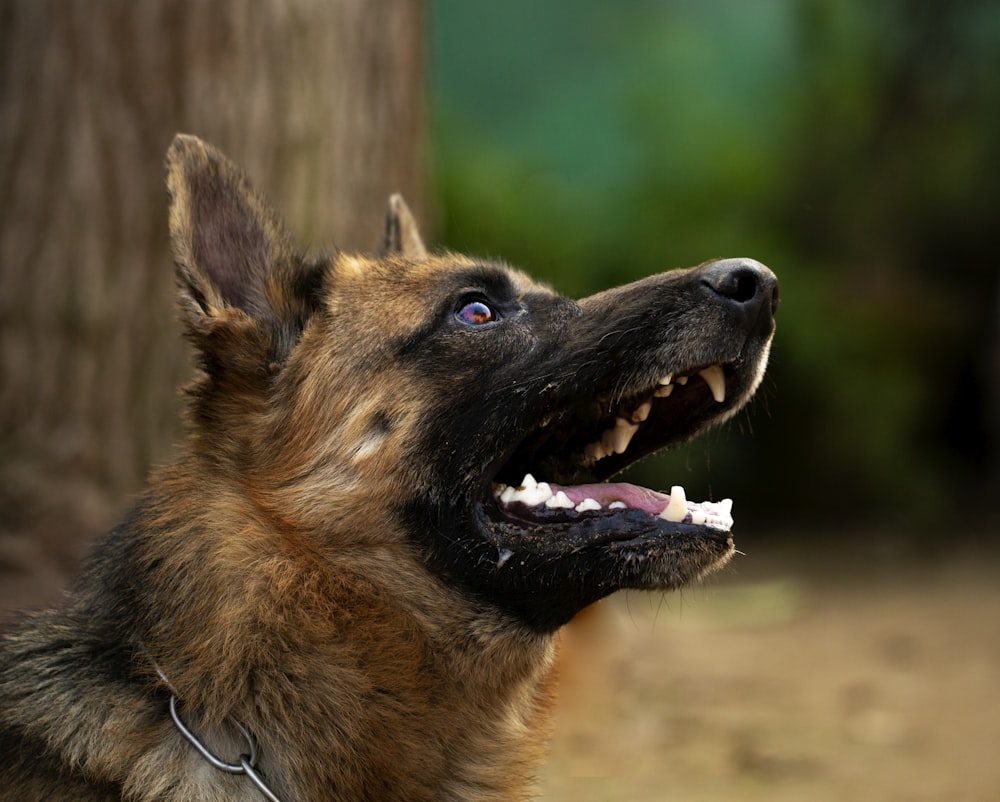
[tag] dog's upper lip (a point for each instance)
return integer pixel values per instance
(586, 438)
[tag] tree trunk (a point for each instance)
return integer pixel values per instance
(320, 101)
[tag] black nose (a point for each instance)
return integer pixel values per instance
(744, 287)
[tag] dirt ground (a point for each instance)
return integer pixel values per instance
(814, 669)
(811, 668)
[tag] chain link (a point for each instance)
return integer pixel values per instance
(248, 762)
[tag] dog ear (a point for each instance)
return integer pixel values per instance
(229, 246)
(401, 235)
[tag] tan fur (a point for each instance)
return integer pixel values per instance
(268, 571)
(258, 498)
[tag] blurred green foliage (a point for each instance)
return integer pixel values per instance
(853, 147)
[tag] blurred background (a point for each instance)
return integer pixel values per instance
(853, 147)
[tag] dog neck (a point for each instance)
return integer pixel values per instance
(315, 658)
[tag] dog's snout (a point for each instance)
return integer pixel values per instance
(744, 286)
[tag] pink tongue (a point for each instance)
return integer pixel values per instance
(633, 496)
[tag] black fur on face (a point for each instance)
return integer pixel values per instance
(526, 381)
(345, 389)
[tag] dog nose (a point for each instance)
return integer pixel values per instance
(743, 286)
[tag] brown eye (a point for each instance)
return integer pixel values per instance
(476, 313)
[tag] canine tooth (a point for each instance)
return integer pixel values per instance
(642, 411)
(716, 381)
(676, 510)
(588, 504)
(560, 500)
(667, 379)
(664, 391)
(622, 434)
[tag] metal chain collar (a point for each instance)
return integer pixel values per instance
(248, 761)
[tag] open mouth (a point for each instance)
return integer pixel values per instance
(557, 473)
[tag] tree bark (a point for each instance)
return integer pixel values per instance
(321, 102)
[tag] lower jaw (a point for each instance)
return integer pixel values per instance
(548, 592)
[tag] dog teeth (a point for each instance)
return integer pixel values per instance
(614, 440)
(676, 510)
(713, 376)
(608, 441)
(529, 493)
(622, 435)
(717, 514)
(716, 381)
(596, 451)
(560, 501)
(642, 412)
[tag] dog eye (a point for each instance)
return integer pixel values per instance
(476, 313)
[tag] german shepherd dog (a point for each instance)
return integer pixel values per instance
(393, 494)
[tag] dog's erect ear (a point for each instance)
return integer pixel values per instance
(230, 247)
(401, 235)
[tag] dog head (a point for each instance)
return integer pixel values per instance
(451, 410)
